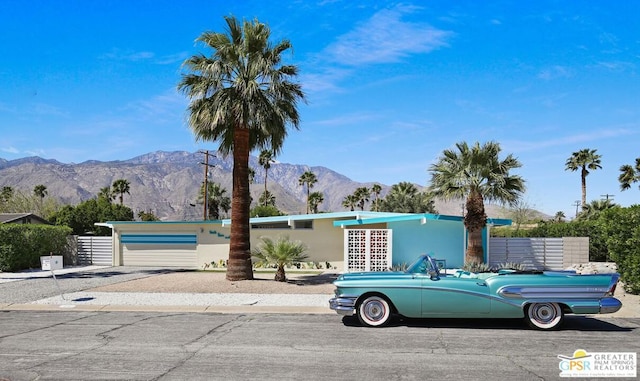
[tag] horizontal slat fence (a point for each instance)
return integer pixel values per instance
(534, 253)
(95, 250)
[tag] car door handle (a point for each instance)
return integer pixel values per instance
(481, 284)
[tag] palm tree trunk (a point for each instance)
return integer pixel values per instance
(475, 221)
(266, 172)
(239, 265)
(280, 274)
(584, 186)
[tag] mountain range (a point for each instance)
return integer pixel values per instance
(167, 184)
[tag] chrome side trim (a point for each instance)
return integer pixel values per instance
(609, 305)
(533, 292)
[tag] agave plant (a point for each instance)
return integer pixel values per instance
(280, 252)
(511, 266)
(476, 267)
(400, 267)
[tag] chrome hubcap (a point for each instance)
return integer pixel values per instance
(544, 313)
(374, 310)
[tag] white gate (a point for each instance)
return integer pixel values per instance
(367, 250)
(93, 250)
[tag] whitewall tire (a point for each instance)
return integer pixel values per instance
(544, 315)
(374, 311)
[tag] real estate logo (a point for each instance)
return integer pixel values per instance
(598, 364)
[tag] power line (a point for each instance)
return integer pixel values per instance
(576, 204)
(606, 196)
(206, 181)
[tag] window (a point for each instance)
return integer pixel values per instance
(272, 225)
(303, 224)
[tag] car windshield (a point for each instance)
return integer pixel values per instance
(421, 266)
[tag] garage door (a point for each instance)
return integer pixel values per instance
(165, 250)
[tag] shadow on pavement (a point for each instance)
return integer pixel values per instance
(108, 274)
(571, 323)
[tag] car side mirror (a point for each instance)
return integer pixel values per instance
(434, 275)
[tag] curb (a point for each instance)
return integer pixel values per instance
(196, 309)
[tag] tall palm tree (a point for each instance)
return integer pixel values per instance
(362, 195)
(265, 159)
(315, 199)
(477, 174)
(105, 193)
(350, 202)
(243, 97)
(405, 197)
(217, 200)
(629, 175)
(559, 217)
(375, 191)
(119, 188)
(40, 191)
(592, 210)
(6, 193)
(309, 179)
(583, 160)
(267, 198)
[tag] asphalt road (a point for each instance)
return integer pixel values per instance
(73, 345)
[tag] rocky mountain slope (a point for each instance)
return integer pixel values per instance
(167, 183)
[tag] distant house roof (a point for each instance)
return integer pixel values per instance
(415, 217)
(319, 216)
(22, 218)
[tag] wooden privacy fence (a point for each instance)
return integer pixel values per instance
(539, 253)
(95, 250)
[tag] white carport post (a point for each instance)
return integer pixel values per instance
(115, 249)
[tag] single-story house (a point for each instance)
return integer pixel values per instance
(347, 241)
(22, 218)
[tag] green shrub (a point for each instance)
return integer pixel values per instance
(622, 228)
(22, 245)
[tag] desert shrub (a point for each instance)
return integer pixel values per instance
(511, 266)
(476, 267)
(400, 267)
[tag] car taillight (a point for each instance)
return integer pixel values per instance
(612, 290)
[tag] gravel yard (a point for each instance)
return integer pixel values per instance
(215, 282)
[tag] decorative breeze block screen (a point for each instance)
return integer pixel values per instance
(367, 250)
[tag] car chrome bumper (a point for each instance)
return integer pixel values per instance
(609, 305)
(345, 306)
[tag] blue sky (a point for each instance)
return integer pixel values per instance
(389, 85)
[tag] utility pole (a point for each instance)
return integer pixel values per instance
(606, 196)
(577, 204)
(206, 182)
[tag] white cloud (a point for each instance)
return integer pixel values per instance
(386, 38)
(11, 150)
(616, 65)
(554, 72)
(346, 119)
(119, 55)
(589, 136)
(49, 110)
(166, 106)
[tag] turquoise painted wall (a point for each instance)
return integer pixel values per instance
(445, 239)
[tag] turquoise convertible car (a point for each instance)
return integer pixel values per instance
(541, 297)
